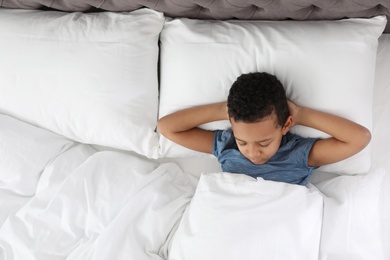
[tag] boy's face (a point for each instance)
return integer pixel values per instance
(259, 141)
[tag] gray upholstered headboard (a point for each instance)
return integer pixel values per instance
(224, 9)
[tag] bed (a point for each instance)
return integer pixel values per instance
(84, 173)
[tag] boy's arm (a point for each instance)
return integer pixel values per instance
(181, 127)
(348, 138)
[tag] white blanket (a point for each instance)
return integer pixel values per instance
(63, 200)
(109, 206)
(233, 216)
(60, 199)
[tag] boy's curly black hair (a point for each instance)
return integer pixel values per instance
(254, 96)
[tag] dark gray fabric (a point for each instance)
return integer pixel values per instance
(224, 9)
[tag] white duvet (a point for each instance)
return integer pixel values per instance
(63, 200)
(110, 206)
(85, 204)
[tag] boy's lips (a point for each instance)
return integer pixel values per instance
(258, 161)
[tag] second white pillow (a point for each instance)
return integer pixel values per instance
(326, 65)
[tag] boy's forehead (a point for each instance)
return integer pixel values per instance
(270, 118)
(257, 131)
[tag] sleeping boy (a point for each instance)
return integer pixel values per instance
(259, 143)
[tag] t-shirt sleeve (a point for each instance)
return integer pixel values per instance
(221, 139)
(304, 146)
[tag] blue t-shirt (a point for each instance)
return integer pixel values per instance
(289, 164)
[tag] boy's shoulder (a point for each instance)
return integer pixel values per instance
(291, 143)
(223, 139)
(292, 139)
(296, 145)
(225, 134)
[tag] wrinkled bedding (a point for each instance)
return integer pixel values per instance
(75, 202)
(89, 205)
(71, 201)
(61, 199)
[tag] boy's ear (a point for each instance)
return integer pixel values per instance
(287, 126)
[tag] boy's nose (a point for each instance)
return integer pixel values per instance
(253, 153)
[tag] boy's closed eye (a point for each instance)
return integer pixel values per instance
(263, 143)
(241, 143)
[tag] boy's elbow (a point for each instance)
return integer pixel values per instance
(164, 127)
(161, 126)
(365, 138)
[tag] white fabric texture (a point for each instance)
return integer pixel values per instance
(381, 106)
(103, 205)
(351, 226)
(63, 200)
(233, 216)
(381, 126)
(25, 152)
(90, 77)
(325, 65)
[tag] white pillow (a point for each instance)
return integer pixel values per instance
(326, 65)
(381, 106)
(90, 77)
(25, 151)
(351, 223)
(233, 216)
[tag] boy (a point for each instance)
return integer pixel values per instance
(259, 143)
